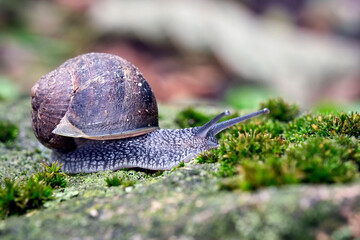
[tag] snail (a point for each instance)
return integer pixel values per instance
(97, 112)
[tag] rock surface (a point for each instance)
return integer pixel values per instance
(184, 203)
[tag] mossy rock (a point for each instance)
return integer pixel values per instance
(212, 197)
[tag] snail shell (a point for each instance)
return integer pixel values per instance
(95, 96)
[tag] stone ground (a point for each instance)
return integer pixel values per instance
(184, 203)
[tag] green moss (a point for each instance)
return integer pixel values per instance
(318, 160)
(274, 127)
(51, 175)
(8, 131)
(257, 174)
(270, 172)
(113, 181)
(182, 164)
(117, 181)
(310, 149)
(258, 124)
(281, 110)
(324, 126)
(323, 160)
(9, 193)
(19, 196)
(233, 148)
(186, 203)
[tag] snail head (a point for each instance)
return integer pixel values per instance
(209, 130)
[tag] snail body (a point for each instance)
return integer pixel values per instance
(158, 150)
(97, 112)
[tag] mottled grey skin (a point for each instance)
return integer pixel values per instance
(162, 149)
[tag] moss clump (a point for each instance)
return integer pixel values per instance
(117, 181)
(254, 146)
(113, 182)
(252, 175)
(281, 110)
(180, 165)
(324, 126)
(52, 176)
(8, 131)
(308, 149)
(322, 160)
(318, 160)
(19, 196)
(259, 125)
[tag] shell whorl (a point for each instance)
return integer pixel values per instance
(95, 96)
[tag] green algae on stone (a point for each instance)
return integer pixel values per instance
(15, 162)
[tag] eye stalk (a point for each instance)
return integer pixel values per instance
(203, 130)
(213, 128)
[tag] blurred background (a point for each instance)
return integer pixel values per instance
(238, 52)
